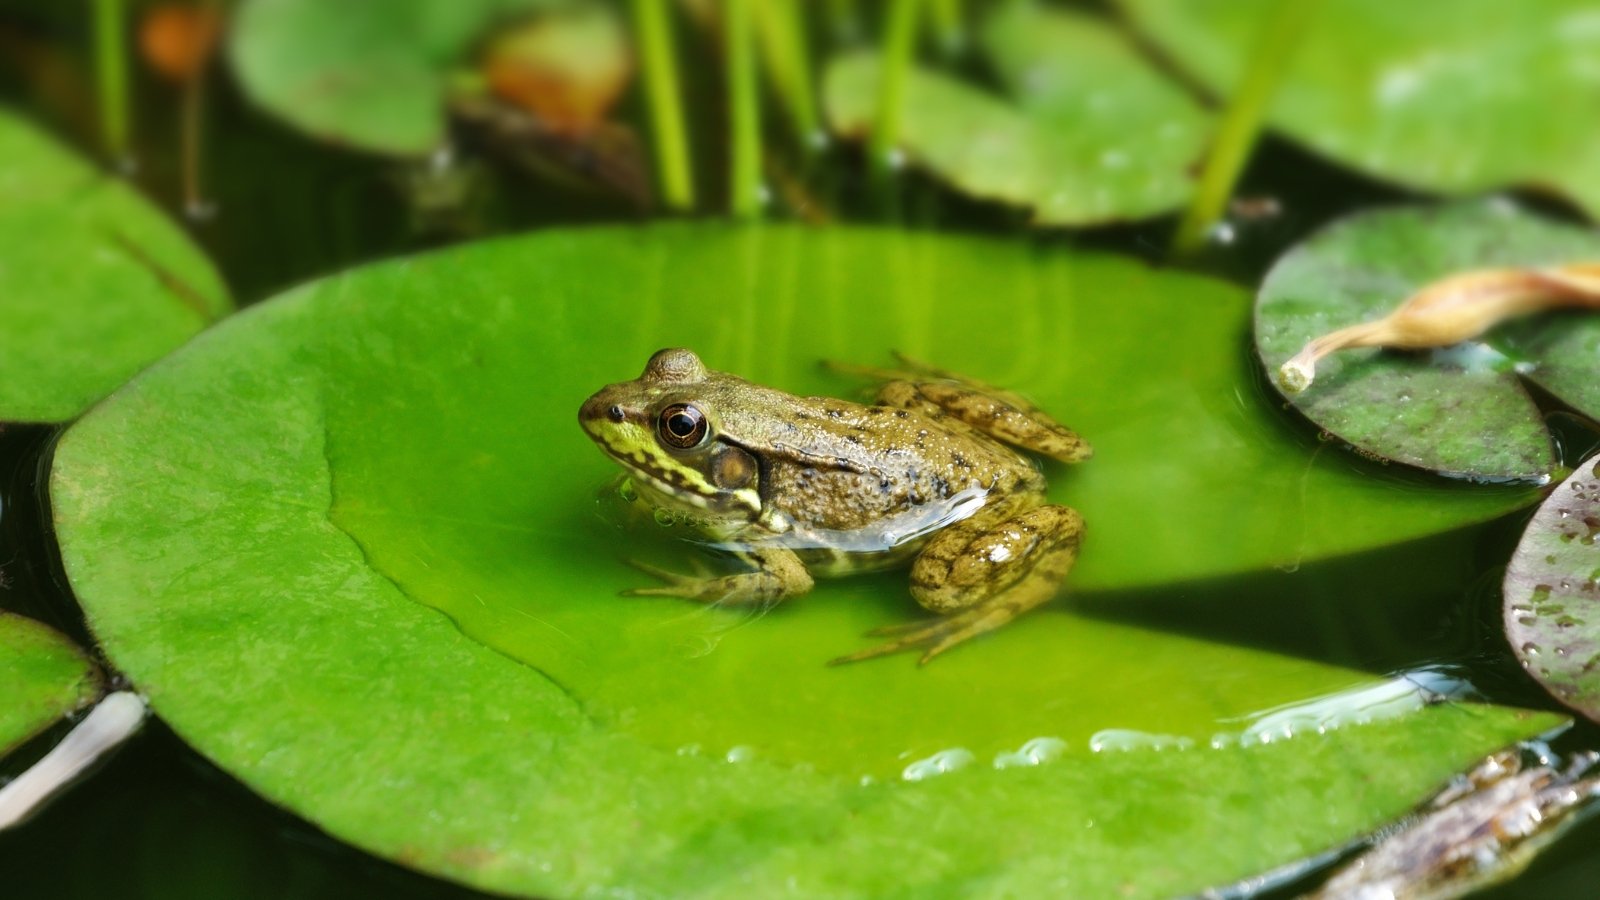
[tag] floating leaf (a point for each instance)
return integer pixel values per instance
(1461, 411)
(372, 75)
(1552, 592)
(1089, 132)
(363, 571)
(95, 283)
(1457, 100)
(45, 678)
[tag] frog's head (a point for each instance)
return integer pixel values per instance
(663, 428)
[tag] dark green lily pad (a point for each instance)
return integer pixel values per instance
(1454, 98)
(1552, 592)
(365, 573)
(371, 75)
(45, 678)
(1088, 133)
(95, 283)
(1461, 411)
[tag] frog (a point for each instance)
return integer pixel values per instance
(935, 473)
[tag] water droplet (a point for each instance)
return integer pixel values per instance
(1529, 648)
(1122, 740)
(663, 517)
(689, 750)
(740, 753)
(1034, 752)
(938, 764)
(626, 490)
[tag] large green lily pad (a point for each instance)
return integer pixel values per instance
(371, 75)
(350, 546)
(95, 283)
(45, 678)
(1453, 97)
(1552, 592)
(1088, 132)
(1461, 411)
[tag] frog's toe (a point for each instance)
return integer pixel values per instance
(908, 636)
(699, 571)
(937, 635)
(904, 628)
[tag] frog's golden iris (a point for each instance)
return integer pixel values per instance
(799, 485)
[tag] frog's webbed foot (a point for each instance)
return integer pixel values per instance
(777, 574)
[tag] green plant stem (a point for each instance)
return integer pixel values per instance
(948, 20)
(787, 55)
(192, 125)
(744, 111)
(844, 20)
(111, 71)
(899, 40)
(659, 62)
(1241, 121)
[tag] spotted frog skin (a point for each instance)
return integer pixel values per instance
(796, 486)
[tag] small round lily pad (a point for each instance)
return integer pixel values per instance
(1086, 132)
(1455, 97)
(369, 75)
(1461, 411)
(1552, 592)
(95, 282)
(45, 675)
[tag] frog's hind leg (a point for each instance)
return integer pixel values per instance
(998, 413)
(983, 574)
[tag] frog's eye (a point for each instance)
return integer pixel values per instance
(681, 426)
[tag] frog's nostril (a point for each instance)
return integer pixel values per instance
(616, 413)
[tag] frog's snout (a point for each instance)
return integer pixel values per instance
(602, 409)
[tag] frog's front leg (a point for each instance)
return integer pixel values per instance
(776, 574)
(981, 574)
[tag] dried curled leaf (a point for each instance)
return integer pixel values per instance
(1452, 310)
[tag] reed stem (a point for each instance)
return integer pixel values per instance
(1241, 122)
(744, 110)
(899, 40)
(787, 54)
(111, 71)
(659, 62)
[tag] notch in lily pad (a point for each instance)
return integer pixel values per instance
(1463, 410)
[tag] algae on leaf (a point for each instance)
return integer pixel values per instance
(365, 574)
(95, 283)
(45, 678)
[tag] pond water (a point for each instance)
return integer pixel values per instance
(289, 211)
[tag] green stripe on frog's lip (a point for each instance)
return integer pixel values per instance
(636, 451)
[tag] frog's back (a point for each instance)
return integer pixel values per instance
(843, 466)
